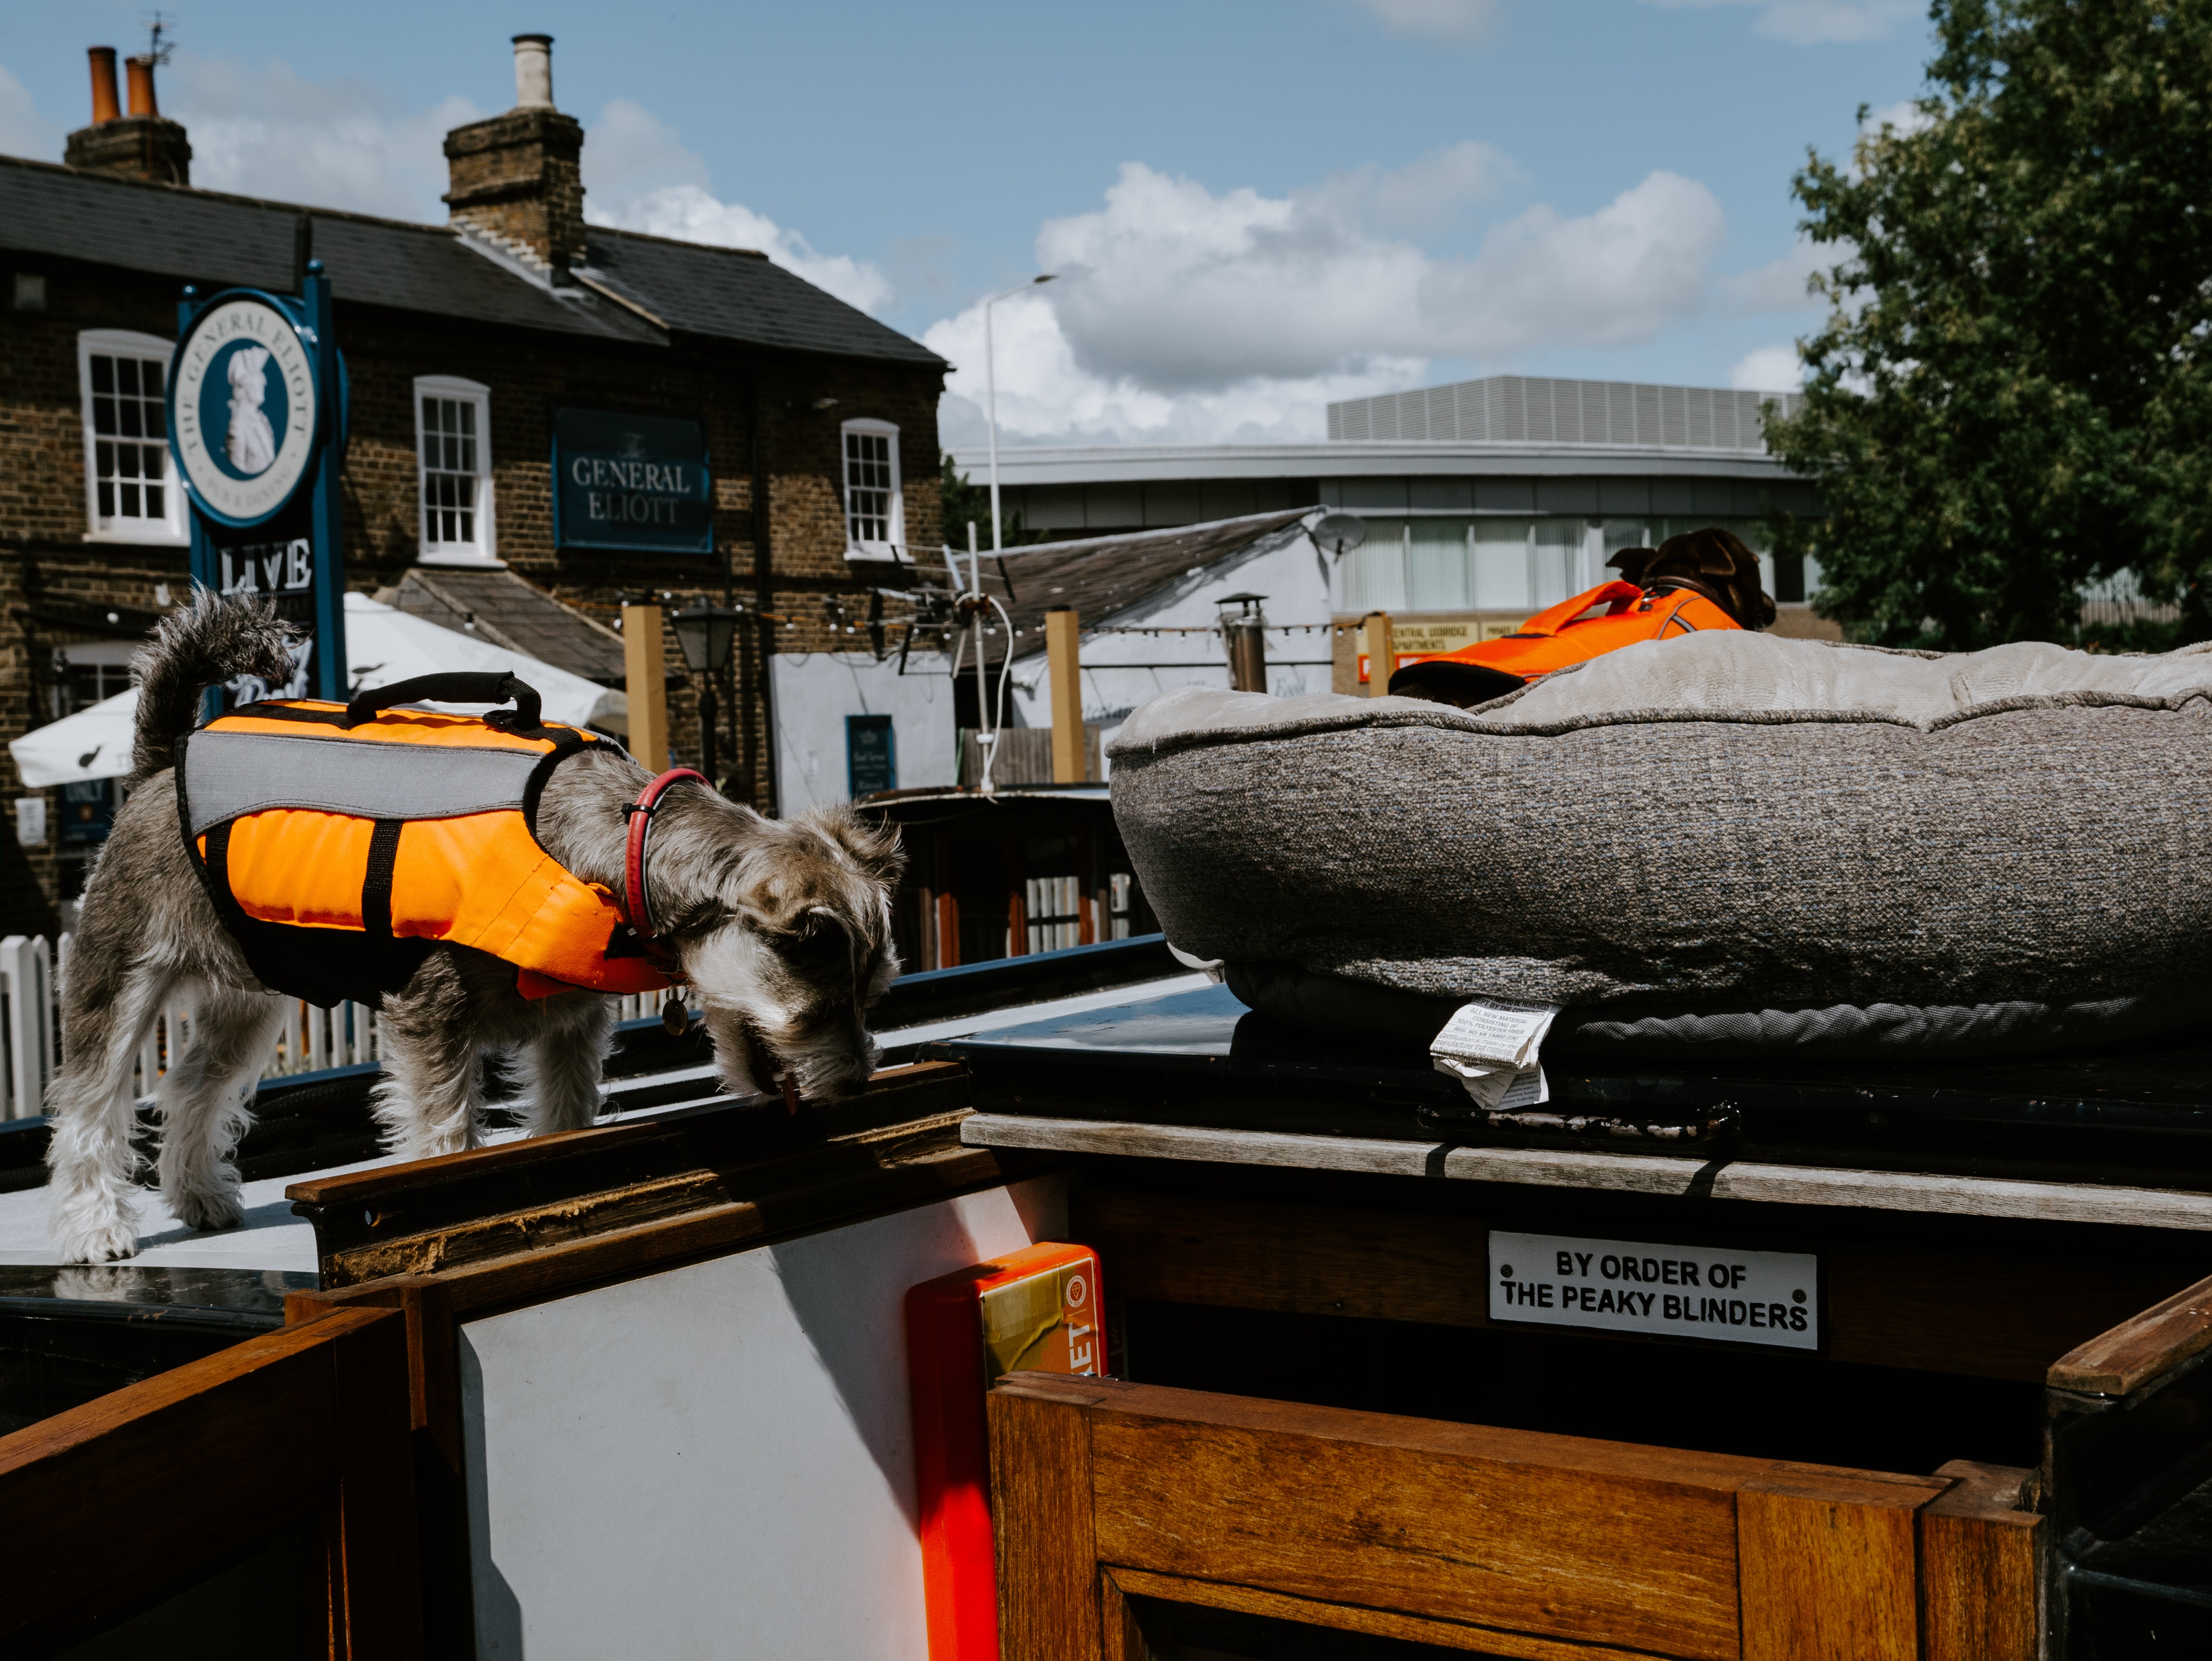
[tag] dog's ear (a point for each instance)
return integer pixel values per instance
(1705, 553)
(810, 871)
(875, 849)
(1633, 562)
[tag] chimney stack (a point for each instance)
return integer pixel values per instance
(517, 179)
(104, 107)
(141, 72)
(533, 71)
(144, 144)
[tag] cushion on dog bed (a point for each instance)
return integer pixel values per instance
(1731, 843)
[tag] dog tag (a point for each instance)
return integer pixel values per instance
(675, 1019)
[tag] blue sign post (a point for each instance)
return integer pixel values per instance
(257, 428)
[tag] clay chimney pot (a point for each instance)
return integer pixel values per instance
(533, 71)
(104, 107)
(141, 71)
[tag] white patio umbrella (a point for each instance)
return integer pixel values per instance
(383, 645)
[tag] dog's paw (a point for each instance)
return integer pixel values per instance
(207, 1211)
(104, 1243)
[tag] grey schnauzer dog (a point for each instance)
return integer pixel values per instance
(781, 926)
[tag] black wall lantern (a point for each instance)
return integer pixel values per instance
(706, 633)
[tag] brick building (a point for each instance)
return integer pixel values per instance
(463, 344)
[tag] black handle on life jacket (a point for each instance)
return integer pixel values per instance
(462, 686)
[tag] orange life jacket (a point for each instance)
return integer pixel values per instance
(1554, 639)
(338, 855)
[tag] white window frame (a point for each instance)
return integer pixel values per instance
(483, 552)
(171, 529)
(896, 519)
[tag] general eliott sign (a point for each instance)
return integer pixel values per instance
(631, 481)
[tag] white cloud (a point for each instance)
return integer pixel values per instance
(1454, 22)
(1178, 288)
(1182, 314)
(1768, 369)
(1424, 195)
(1815, 22)
(23, 131)
(1779, 285)
(266, 130)
(1046, 396)
(1905, 116)
(639, 176)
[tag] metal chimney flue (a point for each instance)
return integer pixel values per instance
(1245, 635)
(140, 73)
(533, 71)
(104, 106)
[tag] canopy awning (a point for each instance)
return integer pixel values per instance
(383, 645)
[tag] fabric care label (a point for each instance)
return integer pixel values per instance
(1490, 1047)
(1766, 1297)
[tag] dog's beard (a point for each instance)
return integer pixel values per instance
(763, 1025)
(746, 1064)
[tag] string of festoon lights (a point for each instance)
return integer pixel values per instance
(838, 620)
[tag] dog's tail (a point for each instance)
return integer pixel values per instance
(196, 647)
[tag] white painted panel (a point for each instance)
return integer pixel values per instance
(814, 693)
(717, 1461)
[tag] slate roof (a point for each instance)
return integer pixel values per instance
(738, 294)
(1102, 575)
(502, 608)
(215, 240)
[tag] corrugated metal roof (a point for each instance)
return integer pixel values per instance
(1532, 409)
(1103, 575)
(207, 237)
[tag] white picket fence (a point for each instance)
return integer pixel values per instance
(30, 1029)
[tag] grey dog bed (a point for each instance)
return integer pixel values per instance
(1731, 844)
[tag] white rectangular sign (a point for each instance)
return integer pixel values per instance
(1770, 1297)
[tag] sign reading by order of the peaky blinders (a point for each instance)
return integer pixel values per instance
(256, 425)
(631, 482)
(1771, 1299)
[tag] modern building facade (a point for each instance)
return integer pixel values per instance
(1484, 501)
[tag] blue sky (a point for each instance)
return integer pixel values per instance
(1257, 204)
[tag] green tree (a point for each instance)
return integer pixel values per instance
(2012, 394)
(964, 502)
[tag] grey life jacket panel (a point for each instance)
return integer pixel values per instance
(228, 774)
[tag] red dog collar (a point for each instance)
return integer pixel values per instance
(640, 814)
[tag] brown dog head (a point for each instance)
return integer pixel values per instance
(1713, 561)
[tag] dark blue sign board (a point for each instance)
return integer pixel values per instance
(631, 482)
(870, 756)
(88, 811)
(256, 429)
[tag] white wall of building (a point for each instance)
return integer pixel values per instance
(814, 693)
(1121, 670)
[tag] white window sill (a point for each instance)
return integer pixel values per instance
(163, 538)
(457, 560)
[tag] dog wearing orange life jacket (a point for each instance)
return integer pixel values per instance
(1703, 580)
(492, 913)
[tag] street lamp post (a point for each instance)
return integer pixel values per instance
(991, 392)
(705, 632)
